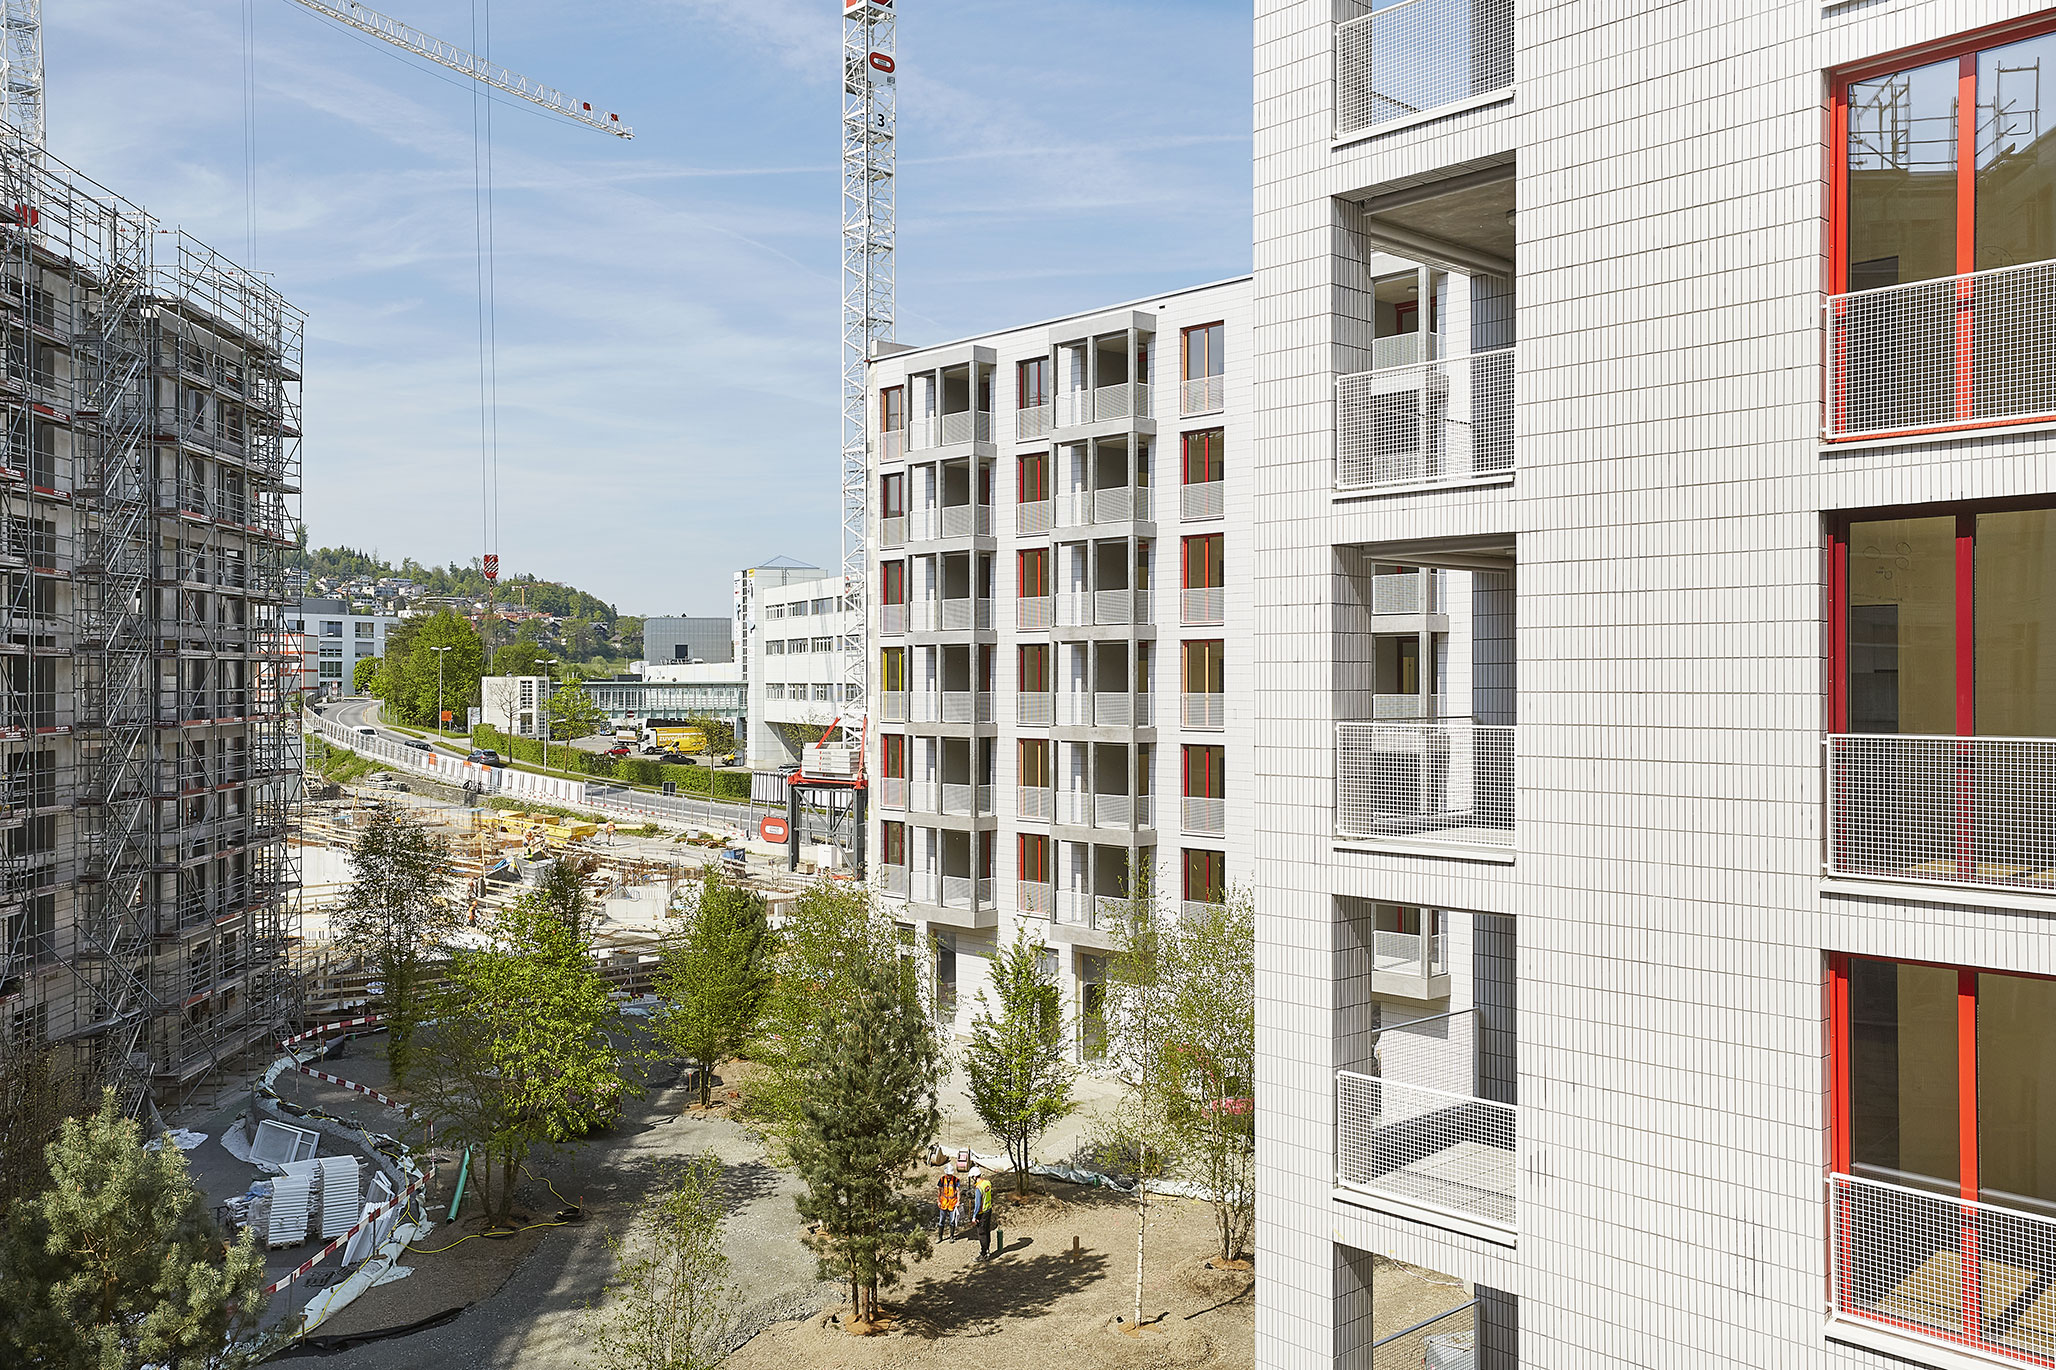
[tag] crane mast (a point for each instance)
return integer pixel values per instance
(870, 125)
(21, 69)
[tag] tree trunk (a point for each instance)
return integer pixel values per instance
(1141, 1232)
(707, 1082)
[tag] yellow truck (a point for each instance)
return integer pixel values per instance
(657, 738)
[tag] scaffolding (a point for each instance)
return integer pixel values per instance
(147, 497)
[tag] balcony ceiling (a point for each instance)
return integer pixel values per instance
(1470, 214)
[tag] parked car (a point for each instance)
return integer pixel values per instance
(486, 757)
(418, 745)
(367, 732)
(680, 759)
(617, 751)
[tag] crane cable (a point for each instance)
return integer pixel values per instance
(488, 303)
(250, 133)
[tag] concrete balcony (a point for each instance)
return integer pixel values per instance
(1442, 422)
(949, 521)
(1970, 351)
(960, 706)
(1202, 395)
(965, 801)
(1104, 404)
(1446, 781)
(1420, 58)
(1409, 706)
(1201, 500)
(1411, 965)
(1205, 817)
(1103, 608)
(965, 615)
(1119, 709)
(1203, 713)
(1965, 811)
(1203, 607)
(1416, 1135)
(1093, 912)
(1121, 811)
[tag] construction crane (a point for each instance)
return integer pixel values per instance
(21, 68)
(834, 766)
(406, 37)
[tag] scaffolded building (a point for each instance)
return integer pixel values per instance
(148, 492)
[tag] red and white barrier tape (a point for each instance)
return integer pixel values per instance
(386, 1099)
(343, 1240)
(366, 1021)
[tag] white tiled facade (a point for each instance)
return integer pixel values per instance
(1653, 907)
(1007, 791)
(795, 671)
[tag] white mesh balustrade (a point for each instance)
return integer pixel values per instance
(1413, 1128)
(1202, 395)
(1447, 1341)
(1201, 500)
(1448, 780)
(1974, 1275)
(1443, 421)
(1977, 348)
(1949, 810)
(1409, 58)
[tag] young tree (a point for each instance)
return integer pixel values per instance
(118, 1264)
(519, 1052)
(412, 683)
(716, 979)
(519, 658)
(397, 914)
(831, 931)
(364, 676)
(720, 733)
(572, 713)
(563, 891)
(670, 1295)
(866, 1117)
(1018, 1066)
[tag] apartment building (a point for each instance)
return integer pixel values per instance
(795, 665)
(684, 640)
(149, 389)
(1059, 613)
(332, 640)
(1729, 381)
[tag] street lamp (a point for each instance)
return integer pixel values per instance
(550, 677)
(439, 686)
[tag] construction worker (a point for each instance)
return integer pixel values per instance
(610, 832)
(946, 1205)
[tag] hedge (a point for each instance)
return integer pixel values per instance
(635, 770)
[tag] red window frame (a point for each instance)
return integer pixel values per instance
(1033, 652)
(1033, 855)
(892, 495)
(1210, 773)
(1964, 50)
(1209, 445)
(892, 756)
(1210, 548)
(1216, 863)
(1038, 559)
(1038, 369)
(893, 837)
(1031, 478)
(892, 582)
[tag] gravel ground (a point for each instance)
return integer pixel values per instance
(522, 1298)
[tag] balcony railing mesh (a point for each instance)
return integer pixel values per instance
(1205, 817)
(1446, 1340)
(1201, 500)
(1444, 421)
(1967, 1274)
(1961, 350)
(1402, 592)
(1450, 780)
(1203, 713)
(1202, 395)
(1203, 607)
(1032, 421)
(1418, 55)
(1436, 1144)
(1951, 810)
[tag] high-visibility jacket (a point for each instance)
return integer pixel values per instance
(947, 1198)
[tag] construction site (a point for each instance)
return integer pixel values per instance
(147, 504)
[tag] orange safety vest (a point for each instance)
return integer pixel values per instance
(948, 1201)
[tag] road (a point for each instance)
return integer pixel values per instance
(354, 713)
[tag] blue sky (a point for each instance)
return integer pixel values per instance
(668, 329)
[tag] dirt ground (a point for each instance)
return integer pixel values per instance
(1036, 1300)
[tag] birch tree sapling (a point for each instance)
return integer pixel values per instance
(1018, 1068)
(669, 1298)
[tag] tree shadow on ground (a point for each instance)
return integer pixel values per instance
(745, 1182)
(1012, 1285)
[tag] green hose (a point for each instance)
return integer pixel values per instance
(462, 1171)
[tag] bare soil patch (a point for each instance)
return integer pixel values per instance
(1038, 1301)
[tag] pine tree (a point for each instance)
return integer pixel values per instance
(716, 980)
(866, 1117)
(119, 1265)
(1018, 1066)
(398, 910)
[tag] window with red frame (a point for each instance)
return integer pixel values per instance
(1203, 463)
(892, 495)
(1033, 763)
(1034, 668)
(893, 837)
(1032, 478)
(1202, 563)
(1035, 862)
(1942, 1095)
(892, 582)
(1204, 772)
(1032, 383)
(1945, 622)
(892, 759)
(1033, 572)
(1206, 877)
(892, 409)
